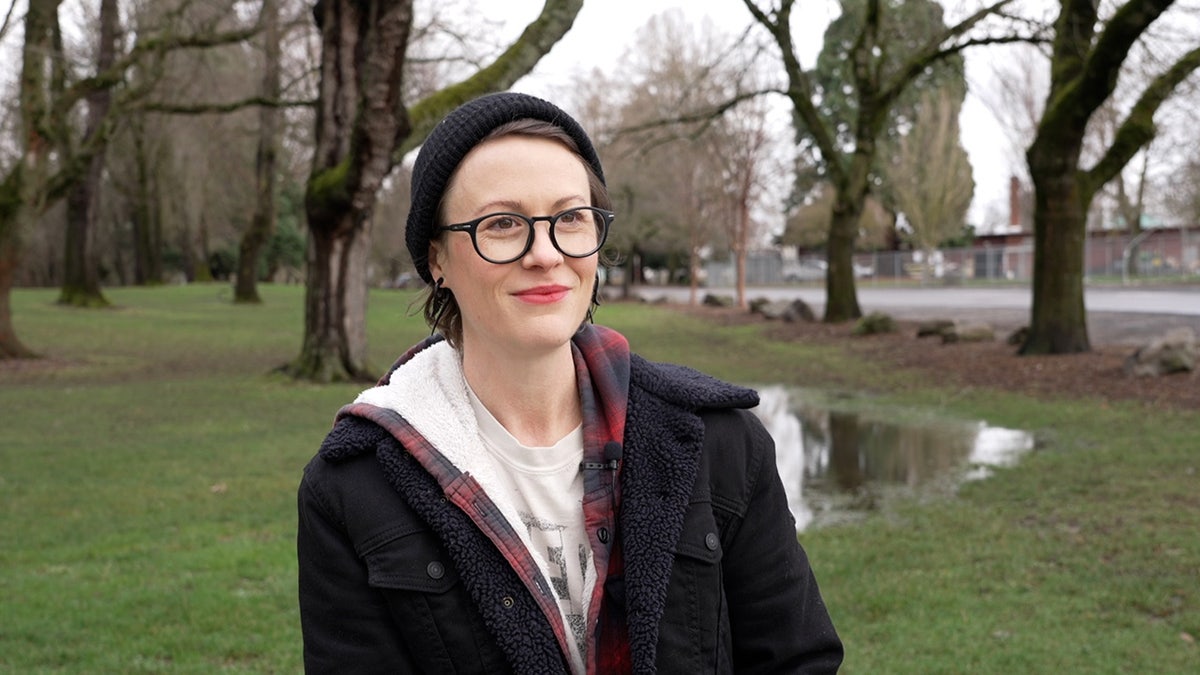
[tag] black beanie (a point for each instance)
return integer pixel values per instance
(453, 138)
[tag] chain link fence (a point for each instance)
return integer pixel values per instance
(1159, 254)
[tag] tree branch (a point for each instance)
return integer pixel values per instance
(934, 51)
(1138, 129)
(114, 75)
(800, 88)
(536, 40)
(706, 115)
(229, 106)
(12, 8)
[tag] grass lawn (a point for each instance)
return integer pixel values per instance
(147, 490)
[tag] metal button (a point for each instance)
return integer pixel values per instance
(603, 535)
(507, 602)
(711, 541)
(435, 570)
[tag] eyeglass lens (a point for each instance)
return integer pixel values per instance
(506, 236)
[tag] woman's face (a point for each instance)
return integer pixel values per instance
(533, 304)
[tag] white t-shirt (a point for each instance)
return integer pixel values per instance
(546, 486)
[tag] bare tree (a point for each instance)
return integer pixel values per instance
(1087, 58)
(363, 129)
(930, 174)
(52, 161)
(667, 178)
(262, 223)
(743, 143)
(81, 273)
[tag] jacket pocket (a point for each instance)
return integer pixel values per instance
(409, 561)
(694, 633)
(434, 615)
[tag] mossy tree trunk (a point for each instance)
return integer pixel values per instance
(1083, 74)
(363, 129)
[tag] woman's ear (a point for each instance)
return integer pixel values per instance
(435, 259)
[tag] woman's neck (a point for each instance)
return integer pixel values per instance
(535, 398)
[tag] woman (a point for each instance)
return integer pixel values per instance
(522, 494)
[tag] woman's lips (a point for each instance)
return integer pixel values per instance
(542, 295)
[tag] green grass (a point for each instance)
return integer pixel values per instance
(148, 472)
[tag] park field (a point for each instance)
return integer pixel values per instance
(148, 468)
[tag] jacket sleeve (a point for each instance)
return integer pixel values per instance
(346, 624)
(778, 620)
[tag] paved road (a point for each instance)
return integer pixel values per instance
(1115, 315)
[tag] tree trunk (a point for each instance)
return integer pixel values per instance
(81, 265)
(841, 297)
(141, 217)
(1058, 323)
(262, 223)
(362, 130)
(334, 308)
(10, 345)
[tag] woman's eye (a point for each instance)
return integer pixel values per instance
(500, 223)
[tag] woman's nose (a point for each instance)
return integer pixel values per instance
(542, 253)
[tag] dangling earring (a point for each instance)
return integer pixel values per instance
(441, 300)
(595, 299)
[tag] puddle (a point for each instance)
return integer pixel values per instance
(839, 463)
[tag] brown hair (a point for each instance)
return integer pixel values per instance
(448, 319)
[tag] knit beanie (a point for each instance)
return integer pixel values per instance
(453, 138)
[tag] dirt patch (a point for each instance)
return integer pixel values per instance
(1098, 374)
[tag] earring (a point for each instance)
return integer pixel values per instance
(595, 299)
(441, 300)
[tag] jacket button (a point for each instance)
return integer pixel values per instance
(507, 602)
(711, 541)
(603, 535)
(435, 570)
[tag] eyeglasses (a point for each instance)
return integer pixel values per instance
(502, 238)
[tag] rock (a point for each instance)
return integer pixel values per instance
(1174, 352)
(798, 310)
(757, 305)
(713, 300)
(874, 324)
(969, 332)
(774, 310)
(934, 327)
(1018, 336)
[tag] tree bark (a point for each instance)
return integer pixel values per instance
(262, 223)
(81, 266)
(146, 220)
(10, 346)
(20, 191)
(362, 130)
(1058, 322)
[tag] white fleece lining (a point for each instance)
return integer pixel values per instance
(430, 392)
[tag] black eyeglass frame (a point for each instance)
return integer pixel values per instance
(472, 226)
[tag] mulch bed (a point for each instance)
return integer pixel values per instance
(996, 365)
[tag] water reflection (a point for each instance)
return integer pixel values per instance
(838, 464)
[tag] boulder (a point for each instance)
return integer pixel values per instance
(874, 324)
(1174, 352)
(798, 310)
(758, 304)
(969, 332)
(714, 300)
(1018, 336)
(934, 327)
